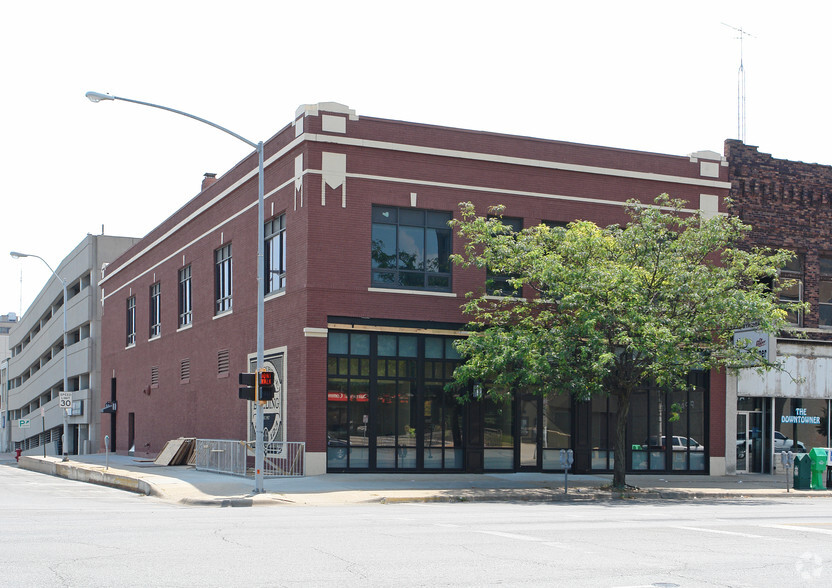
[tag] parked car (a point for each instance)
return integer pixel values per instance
(679, 443)
(783, 443)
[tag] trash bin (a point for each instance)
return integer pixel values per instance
(817, 457)
(802, 471)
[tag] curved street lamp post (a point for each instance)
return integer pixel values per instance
(259, 453)
(18, 255)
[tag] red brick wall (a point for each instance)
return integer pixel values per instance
(788, 204)
(328, 270)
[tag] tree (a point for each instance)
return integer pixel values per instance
(616, 308)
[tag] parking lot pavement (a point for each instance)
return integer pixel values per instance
(186, 485)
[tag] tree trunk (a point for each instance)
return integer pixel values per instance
(619, 472)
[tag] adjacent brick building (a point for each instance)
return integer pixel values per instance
(362, 305)
(789, 206)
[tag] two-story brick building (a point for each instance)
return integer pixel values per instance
(362, 305)
(789, 205)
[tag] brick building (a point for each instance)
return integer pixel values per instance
(789, 206)
(362, 305)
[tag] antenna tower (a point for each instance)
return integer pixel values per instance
(740, 85)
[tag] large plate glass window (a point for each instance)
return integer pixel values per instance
(410, 248)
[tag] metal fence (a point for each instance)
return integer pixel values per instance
(283, 460)
(224, 456)
(227, 456)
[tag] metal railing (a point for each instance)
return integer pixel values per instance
(284, 459)
(227, 456)
(224, 456)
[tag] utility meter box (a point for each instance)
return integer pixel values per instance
(817, 459)
(802, 471)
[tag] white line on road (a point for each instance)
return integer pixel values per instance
(800, 528)
(750, 536)
(509, 535)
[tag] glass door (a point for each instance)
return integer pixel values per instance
(743, 445)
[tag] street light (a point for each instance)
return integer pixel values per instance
(18, 255)
(259, 453)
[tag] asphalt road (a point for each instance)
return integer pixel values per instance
(56, 532)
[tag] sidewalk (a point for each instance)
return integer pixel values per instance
(186, 485)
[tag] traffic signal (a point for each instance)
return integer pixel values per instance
(247, 384)
(266, 388)
(250, 390)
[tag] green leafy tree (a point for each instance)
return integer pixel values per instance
(616, 308)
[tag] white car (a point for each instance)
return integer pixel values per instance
(783, 443)
(679, 443)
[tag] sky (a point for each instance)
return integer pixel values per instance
(656, 76)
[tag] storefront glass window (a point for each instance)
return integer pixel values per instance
(557, 432)
(800, 424)
(498, 435)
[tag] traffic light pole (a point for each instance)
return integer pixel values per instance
(259, 453)
(259, 450)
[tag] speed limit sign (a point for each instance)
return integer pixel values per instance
(66, 400)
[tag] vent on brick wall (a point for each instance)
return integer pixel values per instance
(185, 370)
(222, 361)
(154, 376)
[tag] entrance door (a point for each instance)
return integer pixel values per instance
(529, 437)
(743, 443)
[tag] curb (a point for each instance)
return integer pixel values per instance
(71, 471)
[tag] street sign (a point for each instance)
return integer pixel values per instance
(23, 423)
(66, 400)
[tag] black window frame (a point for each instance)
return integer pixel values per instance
(186, 302)
(131, 321)
(274, 268)
(390, 270)
(498, 284)
(223, 279)
(155, 314)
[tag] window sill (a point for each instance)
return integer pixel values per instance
(154, 338)
(184, 327)
(131, 346)
(272, 295)
(222, 375)
(493, 297)
(223, 313)
(419, 292)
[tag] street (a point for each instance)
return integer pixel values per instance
(56, 532)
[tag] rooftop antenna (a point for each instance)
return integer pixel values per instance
(740, 85)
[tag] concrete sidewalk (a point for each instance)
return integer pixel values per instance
(186, 485)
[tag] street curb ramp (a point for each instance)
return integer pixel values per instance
(72, 471)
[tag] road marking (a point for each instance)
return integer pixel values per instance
(509, 535)
(720, 532)
(800, 527)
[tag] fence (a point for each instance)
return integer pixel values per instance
(226, 456)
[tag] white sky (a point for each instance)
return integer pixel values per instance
(656, 76)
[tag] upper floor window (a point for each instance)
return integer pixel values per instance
(794, 293)
(275, 254)
(498, 284)
(155, 310)
(131, 321)
(222, 279)
(185, 300)
(410, 248)
(825, 292)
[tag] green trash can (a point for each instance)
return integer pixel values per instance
(817, 459)
(802, 471)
